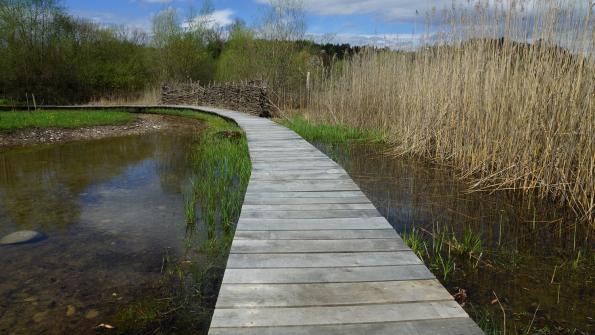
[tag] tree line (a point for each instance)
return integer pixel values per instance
(61, 59)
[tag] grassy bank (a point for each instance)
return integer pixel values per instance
(330, 133)
(183, 300)
(506, 111)
(10, 121)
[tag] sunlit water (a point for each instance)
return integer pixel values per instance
(111, 210)
(529, 245)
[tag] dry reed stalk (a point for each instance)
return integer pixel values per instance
(150, 96)
(497, 97)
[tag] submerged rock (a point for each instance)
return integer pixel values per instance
(92, 314)
(70, 310)
(39, 317)
(22, 236)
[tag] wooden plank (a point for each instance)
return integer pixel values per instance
(327, 274)
(309, 246)
(284, 150)
(303, 172)
(279, 177)
(331, 185)
(453, 326)
(293, 165)
(314, 260)
(312, 224)
(304, 201)
(302, 194)
(315, 234)
(307, 207)
(303, 186)
(323, 214)
(289, 174)
(330, 294)
(275, 157)
(270, 317)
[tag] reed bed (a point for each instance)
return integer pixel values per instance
(505, 95)
(148, 96)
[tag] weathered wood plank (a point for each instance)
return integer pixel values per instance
(293, 168)
(302, 194)
(304, 201)
(327, 274)
(454, 326)
(303, 186)
(330, 294)
(315, 260)
(280, 177)
(272, 166)
(308, 246)
(283, 150)
(307, 207)
(312, 224)
(320, 214)
(269, 317)
(316, 234)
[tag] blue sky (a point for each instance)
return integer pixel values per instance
(375, 22)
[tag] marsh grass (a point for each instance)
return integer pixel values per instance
(187, 292)
(10, 121)
(504, 95)
(7, 102)
(190, 208)
(330, 133)
(149, 96)
(469, 245)
(487, 321)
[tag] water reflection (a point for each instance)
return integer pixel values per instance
(111, 209)
(530, 244)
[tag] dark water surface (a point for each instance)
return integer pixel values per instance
(111, 210)
(530, 247)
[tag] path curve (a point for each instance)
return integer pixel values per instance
(312, 255)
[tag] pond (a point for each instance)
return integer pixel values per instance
(111, 211)
(535, 260)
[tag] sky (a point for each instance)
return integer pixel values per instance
(359, 22)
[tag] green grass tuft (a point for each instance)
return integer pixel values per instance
(7, 102)
(62, 119)
(330, 133)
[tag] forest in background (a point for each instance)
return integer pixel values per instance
(61, 59)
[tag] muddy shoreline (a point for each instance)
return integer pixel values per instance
(144, 123)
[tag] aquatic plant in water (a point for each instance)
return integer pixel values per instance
(182, 300)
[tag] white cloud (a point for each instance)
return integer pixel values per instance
(216, 19)
(110, 18)
(406, 10)
(392, 41)
(411, 10)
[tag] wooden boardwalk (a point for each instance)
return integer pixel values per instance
(312, 255)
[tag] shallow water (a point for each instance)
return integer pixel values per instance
(529, 244)
(111, 210)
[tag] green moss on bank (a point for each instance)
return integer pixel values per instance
(330, 133)
(10, 121)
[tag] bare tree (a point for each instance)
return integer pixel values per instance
(285, 21)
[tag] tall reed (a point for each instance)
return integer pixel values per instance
(506, 94)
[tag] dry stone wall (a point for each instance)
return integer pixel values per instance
(247, 97)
